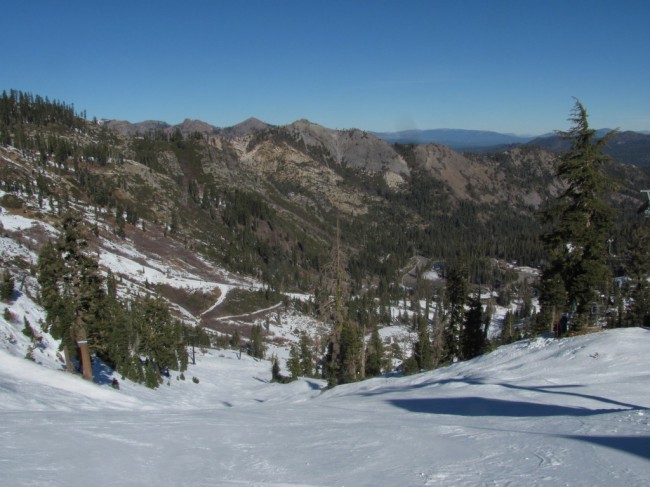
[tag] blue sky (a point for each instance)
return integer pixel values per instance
(509, 66)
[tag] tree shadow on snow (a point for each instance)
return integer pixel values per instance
(315, 386)
(102, 373)
(635, 445)
(481, 406)
(543, 389)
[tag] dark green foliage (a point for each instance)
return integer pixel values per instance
(638, 266)
(343, 359)
(6, 285)
(375, 361)
(473, 335)
(456, 296)
(17, 107)
(410, 366)
(509, 332)
(275, 369)
(423, 352)
(71, 288)
(235, 339)
(306, 356)
(293, 364)
(11, 201)
(142, 340)
(580, 223)
(276, 375)
(27, 329)
(139, 338)
(256, 346)
(350, 357)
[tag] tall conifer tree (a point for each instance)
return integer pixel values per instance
(580, 223)
(456, 294)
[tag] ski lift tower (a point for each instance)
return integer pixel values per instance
(647, 205)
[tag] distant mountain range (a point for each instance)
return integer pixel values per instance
(456, 139)
(627, 147)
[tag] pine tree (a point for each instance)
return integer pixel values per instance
(473, 337)
(275, 370)
(423, 353)
(508, 331)
(350, 357)
(293, 364)
(256, 345)
(456, 294)
(343, 358)
(6, 285)
(374, 354)
(580, 222)
(152, 334)
(71, 290)
(306, 356)
(638, 266)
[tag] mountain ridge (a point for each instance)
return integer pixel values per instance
(630, 147)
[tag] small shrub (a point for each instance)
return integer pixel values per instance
(11, 201)
(27, 330)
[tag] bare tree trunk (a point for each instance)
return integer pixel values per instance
(363, 352)
(84, 351)
(68, 362)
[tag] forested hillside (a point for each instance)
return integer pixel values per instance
(341, 216)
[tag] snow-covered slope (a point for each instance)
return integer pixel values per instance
(541, 412)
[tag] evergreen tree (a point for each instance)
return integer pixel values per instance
(275, 370)
(157, 338)
(71, 290)
(257, 347)
(638, 267)
(293, 364)
(509, 332)
(473, 337)
(423, 353)
(638, 264)
(235, 340)
(580, 223)
(456, 294)
(374, 354)
(351, 348)
(306, 356)
(6, 285)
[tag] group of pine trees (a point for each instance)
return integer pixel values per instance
(576, 282)
(137, 336)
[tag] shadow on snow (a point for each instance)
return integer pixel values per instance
(481, 406)
(635, 445)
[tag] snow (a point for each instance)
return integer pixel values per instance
(542, 412)
(536, 412)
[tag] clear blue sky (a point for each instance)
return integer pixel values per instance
(508, 66)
